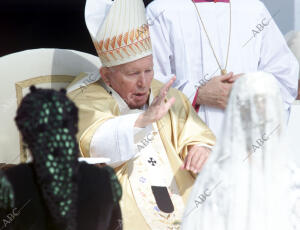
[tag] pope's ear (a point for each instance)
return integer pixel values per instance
(105, 72)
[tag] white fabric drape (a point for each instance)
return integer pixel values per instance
(250, 181)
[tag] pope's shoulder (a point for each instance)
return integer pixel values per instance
(88, 90)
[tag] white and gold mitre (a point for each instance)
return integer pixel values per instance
(119, 30)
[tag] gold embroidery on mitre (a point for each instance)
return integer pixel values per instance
(138, 47)
(131, 36)
(106, 44)
(112, 54)
(119, 41)
(112, 49)
(126, 51)
(113, 42)
(125, 39)
(120, 55)
(101, 45)
(123, 34)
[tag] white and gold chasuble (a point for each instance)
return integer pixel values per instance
(151, 168)
(156, 164)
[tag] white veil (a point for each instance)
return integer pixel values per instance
(248, 182)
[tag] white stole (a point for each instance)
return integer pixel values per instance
(151, 167)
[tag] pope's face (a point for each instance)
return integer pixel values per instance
(131, 81)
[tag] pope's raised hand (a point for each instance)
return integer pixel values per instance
(158, 108)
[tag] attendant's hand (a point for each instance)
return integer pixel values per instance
(234, 78)
(216, 91)
(196, 158)
(158, 108)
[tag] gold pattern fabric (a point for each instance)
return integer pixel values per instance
(179, 128)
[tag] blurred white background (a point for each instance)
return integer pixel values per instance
(288, 17)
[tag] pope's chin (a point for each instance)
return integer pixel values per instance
(138, 100)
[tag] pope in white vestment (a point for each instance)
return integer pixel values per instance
(151, 133)
(196, 50)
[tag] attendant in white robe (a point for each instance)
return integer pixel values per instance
(181, 47)
(251, 181)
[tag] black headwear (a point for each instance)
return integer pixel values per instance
(6, 193)
(48, 121)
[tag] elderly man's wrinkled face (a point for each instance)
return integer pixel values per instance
(131, 81)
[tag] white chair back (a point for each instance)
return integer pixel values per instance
(29, 64)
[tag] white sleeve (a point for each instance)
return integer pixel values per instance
(117, 139)
(114, 139)
(277, 59)
(205, 145)
(163, 53)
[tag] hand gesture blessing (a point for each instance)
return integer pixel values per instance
(158, 108)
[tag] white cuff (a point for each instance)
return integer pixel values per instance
(114, 139)
(205, 145)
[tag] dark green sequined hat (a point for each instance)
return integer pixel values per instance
(47, 120)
